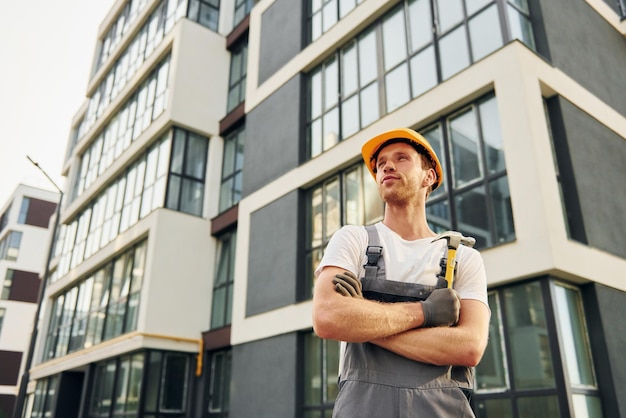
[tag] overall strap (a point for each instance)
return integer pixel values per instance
(375, 265)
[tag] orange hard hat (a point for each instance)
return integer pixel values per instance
(371, 148)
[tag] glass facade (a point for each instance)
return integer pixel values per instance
(140, 48)
(148, 384)
(170, 174)
(98, 308)
(324, 14)
(474, 197)
(538, 354)
(415, 46)
(133, 118)
(349, 197)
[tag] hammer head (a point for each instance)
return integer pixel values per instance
(455, 239)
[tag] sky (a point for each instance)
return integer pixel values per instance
(46, 54)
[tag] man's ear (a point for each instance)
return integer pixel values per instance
(430, 179)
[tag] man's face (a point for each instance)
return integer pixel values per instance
(399, 174)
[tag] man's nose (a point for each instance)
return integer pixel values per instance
(388, 166)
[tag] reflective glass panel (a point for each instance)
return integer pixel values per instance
(367, 58)
(423, 71)
(531, 358)
(464, 139)
(521, 27)
(453, 52)
(494, 408)
(587, 406)
(485, 34)
(349, 70)
(502, 212)
(369, 104)
(332, 206)
(394, 39)
(492, 135)
(474, 5)
(571, 322)
(350, 116)
(420, 25)
(450, 12)
(438, 215)
(491, 372)
(538, 406)
(397, 88)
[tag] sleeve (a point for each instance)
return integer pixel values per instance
(471, 279)
(346, 250)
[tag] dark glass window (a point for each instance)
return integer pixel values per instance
(237, 77)
(474, 197)
(6, 285)
(232, 169)
(10, 246)
(242, 9)
(320, 388)
(45, 393)
(533, 325)
(349, 197)
(2, 313)
(21, 219)
(4, 218)
(205, 12)
(117, 386)
(185, 190)
(219, 384)
(222, 305)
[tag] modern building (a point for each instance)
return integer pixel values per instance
(24, 248)
(218, 151)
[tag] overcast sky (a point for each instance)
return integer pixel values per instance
(46, 49)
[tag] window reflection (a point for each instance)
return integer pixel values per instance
(528, 337)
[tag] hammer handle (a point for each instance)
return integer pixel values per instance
(450, 266)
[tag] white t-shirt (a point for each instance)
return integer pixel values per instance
(406, 261)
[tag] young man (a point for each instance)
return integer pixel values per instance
(410, 342)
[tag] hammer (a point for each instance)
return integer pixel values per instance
(454, 239)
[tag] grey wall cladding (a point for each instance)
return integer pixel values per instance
(591, 163)
(273, 137)
(281, 36)
(584, 46)
(264, 378)
(273, 255)
(605, 309)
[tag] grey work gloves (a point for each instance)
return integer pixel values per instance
(347, 284)
(441, 308)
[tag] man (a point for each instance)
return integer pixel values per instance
(410, 342)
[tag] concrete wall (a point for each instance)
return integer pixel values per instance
(281, 35)
(273, 256)
(592, 172)
(264, 378)
(586, 47)
(273, 133)
(605, 309)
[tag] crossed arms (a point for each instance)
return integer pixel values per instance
(398, 327)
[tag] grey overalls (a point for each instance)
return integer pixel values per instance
(375, 382)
